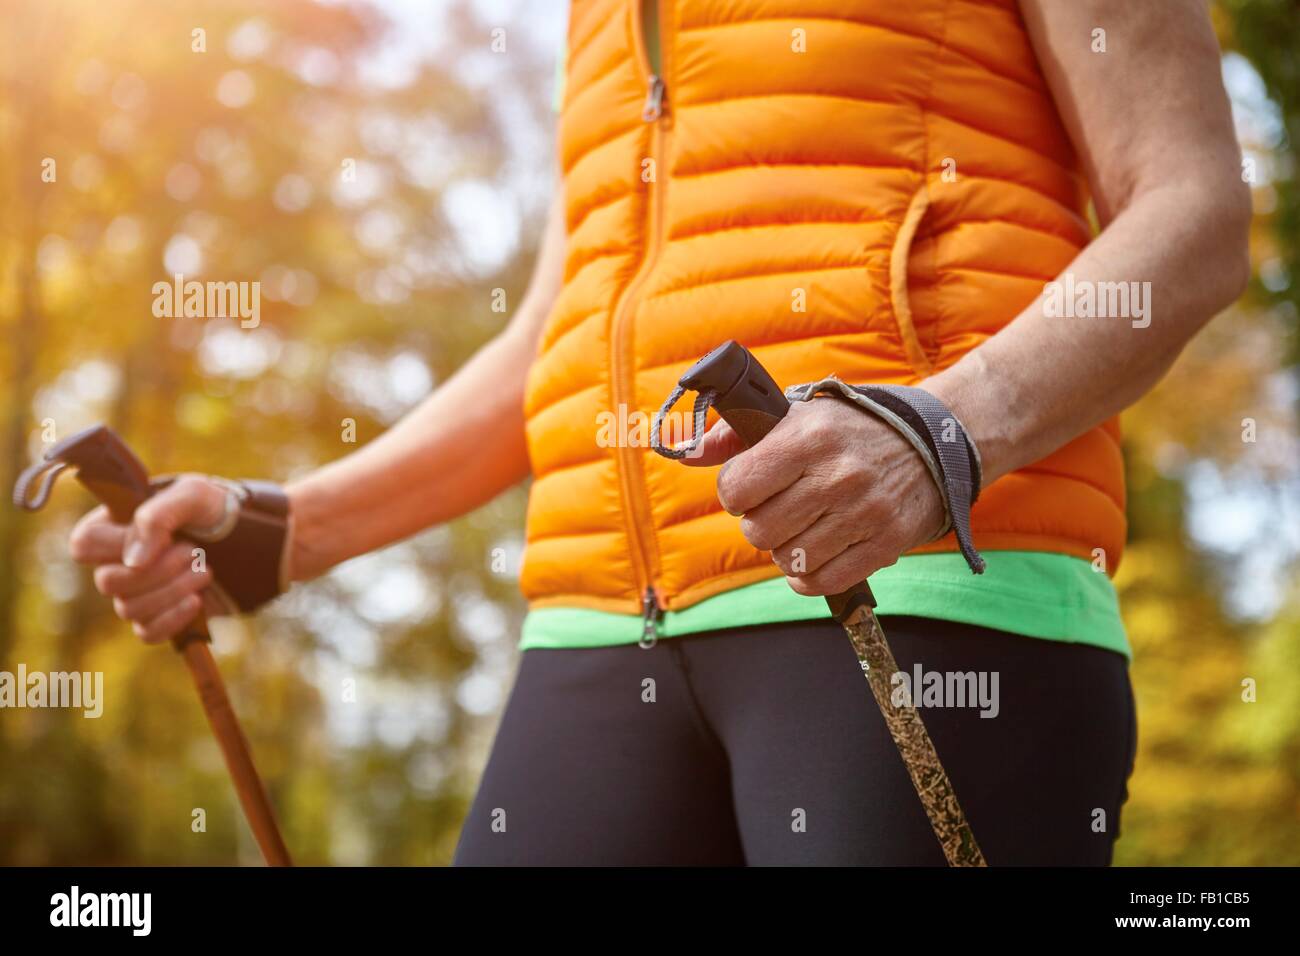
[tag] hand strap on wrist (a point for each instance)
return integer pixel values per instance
(936, 434)
(247, 547)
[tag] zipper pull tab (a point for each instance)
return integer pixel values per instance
(650, 615)
(654, 100)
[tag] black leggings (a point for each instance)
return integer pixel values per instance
(764, 746)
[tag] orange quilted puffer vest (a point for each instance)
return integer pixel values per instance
(864, 188)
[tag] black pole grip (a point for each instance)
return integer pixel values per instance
(750, 401)
(745, 395)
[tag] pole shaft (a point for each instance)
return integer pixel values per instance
(914, 744)
(193, 646)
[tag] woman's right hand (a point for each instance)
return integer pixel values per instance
(149, 574)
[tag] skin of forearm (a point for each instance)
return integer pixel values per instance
(1042, 381)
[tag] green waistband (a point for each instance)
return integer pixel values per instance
(1053, 597)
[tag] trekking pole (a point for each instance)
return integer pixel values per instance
(731, 380)
(112, 472)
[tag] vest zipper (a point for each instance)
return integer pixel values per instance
(622, 368)
(651, 616)
(654, 99)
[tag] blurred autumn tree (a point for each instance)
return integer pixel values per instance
(1209, 586)
(243, 141)
(379, 207)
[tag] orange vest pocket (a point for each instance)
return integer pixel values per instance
(898, 259)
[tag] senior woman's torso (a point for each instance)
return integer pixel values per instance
(862, 188)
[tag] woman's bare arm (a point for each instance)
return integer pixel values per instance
(1152, 125)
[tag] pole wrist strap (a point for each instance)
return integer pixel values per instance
(247, 547)
(938, 437)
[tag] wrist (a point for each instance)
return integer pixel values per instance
(306, 556)
(987, 424)
(247, 547)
